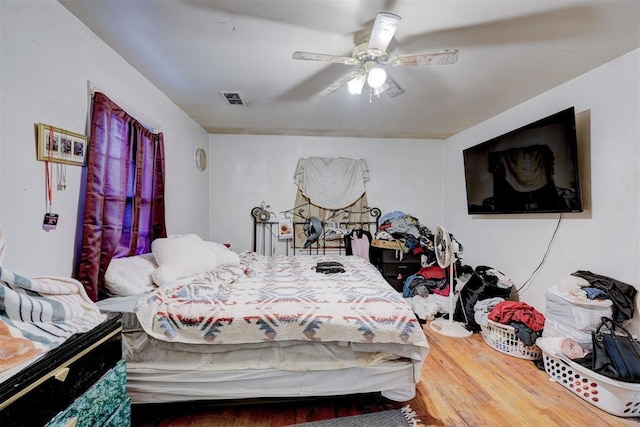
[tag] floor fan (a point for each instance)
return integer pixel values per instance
(446, 258)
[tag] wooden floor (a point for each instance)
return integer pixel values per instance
(464, 383)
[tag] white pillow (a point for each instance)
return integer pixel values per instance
(227, 257)
(180, 257)
(216, 247)
(130, 275)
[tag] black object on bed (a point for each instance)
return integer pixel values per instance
(329, 267)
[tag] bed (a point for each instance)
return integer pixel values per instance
(270, 326)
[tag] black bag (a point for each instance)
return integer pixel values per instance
(481, 285)
(329, 267)
(621, 294)
(616, 356)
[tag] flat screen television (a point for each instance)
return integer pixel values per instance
(533, 169)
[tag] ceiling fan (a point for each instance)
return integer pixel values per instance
(370, 56)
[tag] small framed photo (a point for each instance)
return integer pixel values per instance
(61, 146)
(285, 229)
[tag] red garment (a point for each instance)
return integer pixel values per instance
(513, 311)
(417, 250)
(432, 272)
(444, 292)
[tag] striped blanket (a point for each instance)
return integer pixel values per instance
(38, 314)
(282, 298)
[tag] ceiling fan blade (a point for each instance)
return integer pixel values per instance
(384, 27)
(443, 57)
(394, 88)
(309, 56)
(340, 82)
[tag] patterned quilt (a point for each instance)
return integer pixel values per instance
(282, 298)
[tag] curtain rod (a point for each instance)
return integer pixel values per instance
(146, 121)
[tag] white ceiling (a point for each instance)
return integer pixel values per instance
(510, 51)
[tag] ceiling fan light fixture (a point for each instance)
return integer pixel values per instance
(356, 84)
(376, 77)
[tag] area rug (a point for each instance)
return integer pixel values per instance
(404, 417)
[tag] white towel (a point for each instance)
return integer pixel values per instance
(564, 346)
(572, 348)
(331, 182)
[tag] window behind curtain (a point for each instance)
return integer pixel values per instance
(124, 199)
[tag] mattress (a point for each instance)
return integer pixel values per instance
(170, 372)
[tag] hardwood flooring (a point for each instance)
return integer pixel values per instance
(464, 383)
(468, 383)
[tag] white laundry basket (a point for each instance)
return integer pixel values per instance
(615, 397)
(504, 339)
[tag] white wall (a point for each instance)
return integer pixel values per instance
(47, 59)
(605, 238)
(406, 175)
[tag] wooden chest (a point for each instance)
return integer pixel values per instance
(80, 383)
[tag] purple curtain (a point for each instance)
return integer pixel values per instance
(124, 200)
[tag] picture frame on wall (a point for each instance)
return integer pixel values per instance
(61, 146)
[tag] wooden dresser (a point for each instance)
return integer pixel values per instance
(82, 382)
(395, 268)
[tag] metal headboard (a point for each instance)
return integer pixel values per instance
(266, 239)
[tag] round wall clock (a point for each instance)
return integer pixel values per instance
(200, 159)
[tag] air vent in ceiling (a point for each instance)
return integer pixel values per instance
(232, 98)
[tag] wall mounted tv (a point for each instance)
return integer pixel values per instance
(533, 169)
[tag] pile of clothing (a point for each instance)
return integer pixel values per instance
(596, 286)
(575, 308)
(417, 238)
(426, 291)
(527, 322)
(397, 225)
(430, 279)
(586, 317)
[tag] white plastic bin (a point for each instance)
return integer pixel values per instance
(615, 397)
(573, 317)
